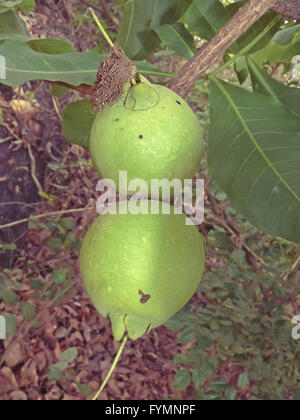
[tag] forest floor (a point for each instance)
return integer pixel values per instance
(50, 312)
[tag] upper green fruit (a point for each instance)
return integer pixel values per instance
(150, 132)
(141, 269)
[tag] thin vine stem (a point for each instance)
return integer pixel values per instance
(40, 216)
(100, 26)
(117, 358)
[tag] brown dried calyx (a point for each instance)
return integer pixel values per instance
(113, 72)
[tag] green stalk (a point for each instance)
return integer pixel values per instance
(112, 367)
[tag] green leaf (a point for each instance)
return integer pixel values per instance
(36, 283)
(59, 276)
(201, 373)
(187, 335)
(51, 46)
(182, 379)
(230, 393)
(27, 5)
(254, 157)
(55, 243)
(12, 27)
(206, 17)
(85, 390)
(58, 91)
(72, 241)
(54, 375)
(243, 380)
(24, 64)
(275, 53)
(9, 297)
(77, 122)
(136, 35)
(263, 83)
(69, 355)
(204, 342)
(285, 36)
(67, 223)
(27, 310)
(241, 69)
(9, 4)
(147, 69)
(11, 324)
(177, 38)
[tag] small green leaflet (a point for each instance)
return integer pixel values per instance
(263, 83)
(78, 119)
(177, 38)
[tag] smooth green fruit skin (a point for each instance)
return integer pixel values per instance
(124, 255)
(150, 132)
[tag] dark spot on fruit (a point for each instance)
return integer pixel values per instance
(117, 119)
(141, 136)
(144, 298)
(179, 103)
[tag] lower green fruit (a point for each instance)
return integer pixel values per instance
(141, 269)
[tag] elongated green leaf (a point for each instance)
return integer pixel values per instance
(241, 69)
(77, 122)
(24, 64)
(12, 26)
(206, 17)
(51, 46)
(263, 83)
(148, 69)
(254, 155)
(182, 379)
(76, 68)
(275, 53)
(177, 38)
(285, 36)
(136, 35)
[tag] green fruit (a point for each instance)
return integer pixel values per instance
(139, 270)
(150, 132)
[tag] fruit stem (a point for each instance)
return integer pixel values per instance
(101, 27)
(112, 367)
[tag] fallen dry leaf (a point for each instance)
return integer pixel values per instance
(28, 375)
(15, 356)
(7, 380)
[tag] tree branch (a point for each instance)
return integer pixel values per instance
(210, 54)
(288, 8)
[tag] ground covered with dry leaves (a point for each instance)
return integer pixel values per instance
(51, 316)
